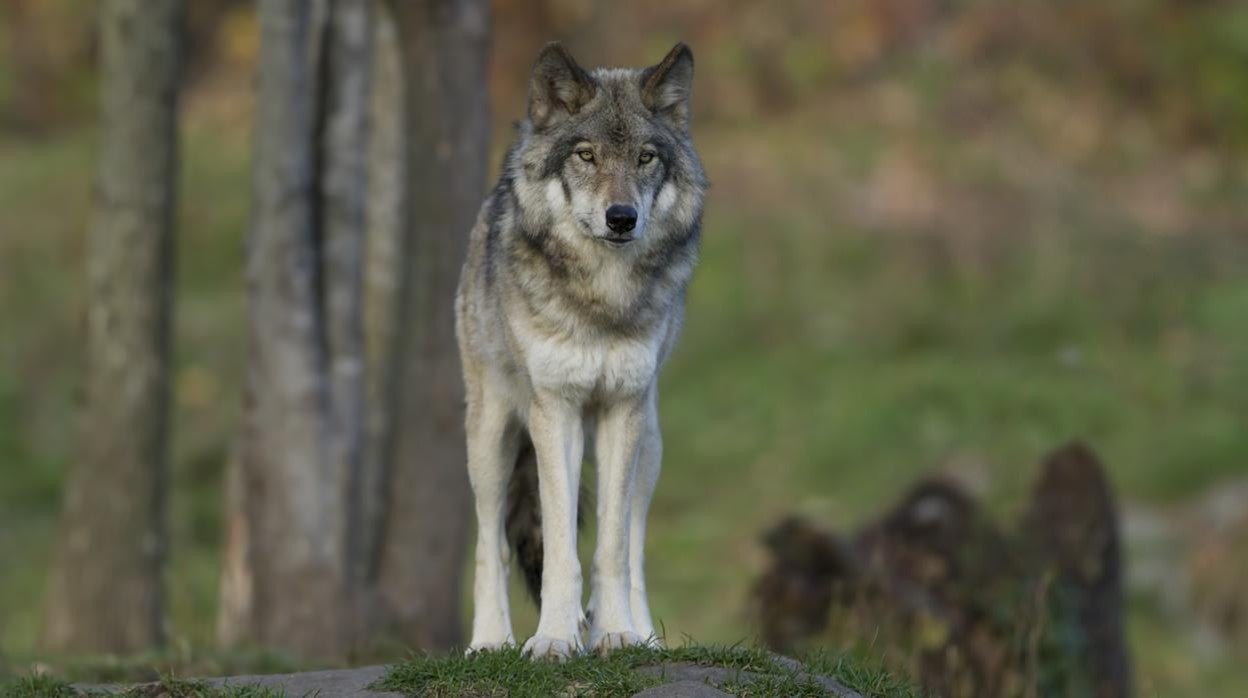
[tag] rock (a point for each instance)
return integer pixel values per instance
(334, 682)
(1192, 560)
(682, 689)
(684, 673)
(347, 683)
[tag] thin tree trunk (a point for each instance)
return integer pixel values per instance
(294, 494)
(382, 266)
(106, 590)
(290, 502)
(445, 50)
(343, 209)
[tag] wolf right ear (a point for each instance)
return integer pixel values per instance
(667, 87)
(558, 87)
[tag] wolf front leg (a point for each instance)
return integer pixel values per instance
(649, 459)
(493, 445)
(558, 438)
(619, 435)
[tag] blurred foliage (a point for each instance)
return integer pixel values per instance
(943, 234)
(1179, 64)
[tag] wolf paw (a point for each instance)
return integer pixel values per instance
(652, 641)
(558, 649)
(606, 642)
(649, 637)
(479, 647)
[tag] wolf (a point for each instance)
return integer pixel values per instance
(571, 297)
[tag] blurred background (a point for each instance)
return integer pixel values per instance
(943, 236)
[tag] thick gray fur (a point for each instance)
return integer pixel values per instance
(564, 320)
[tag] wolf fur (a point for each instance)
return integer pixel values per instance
(571, 298)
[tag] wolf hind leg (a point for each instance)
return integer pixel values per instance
(493, 445)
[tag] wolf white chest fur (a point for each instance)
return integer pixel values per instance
(589, 365)
(570, 299)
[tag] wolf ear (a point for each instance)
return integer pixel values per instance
(558, 87)
(666, 88)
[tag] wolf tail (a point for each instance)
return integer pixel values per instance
(524, 518)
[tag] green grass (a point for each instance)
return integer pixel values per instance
(507, 672)
(146, 667)
(37, 686)
(863, 675)
(44, 686)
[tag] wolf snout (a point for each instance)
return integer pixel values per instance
(621, 218)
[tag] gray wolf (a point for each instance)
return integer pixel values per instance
(571, 298)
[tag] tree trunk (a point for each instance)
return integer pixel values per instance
(287, 582)
(343, 203)
(445, 57)
(291, 507)
(106, 591)
(382, 268)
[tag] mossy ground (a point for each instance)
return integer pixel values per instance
(44, 686)
(508, 673)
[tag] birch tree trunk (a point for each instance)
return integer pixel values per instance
(106, 587)
(445, 58)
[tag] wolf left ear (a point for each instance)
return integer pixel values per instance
(666, 88)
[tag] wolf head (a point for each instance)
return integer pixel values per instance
(605, 155)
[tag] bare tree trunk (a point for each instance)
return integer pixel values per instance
(287, 580)
(382, 267)
(106, 590)
(343, 208)
(290, 503)
(445, 56)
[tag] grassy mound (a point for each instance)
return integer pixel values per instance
(742, 671)
(508, 673)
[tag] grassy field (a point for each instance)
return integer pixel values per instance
(875, 302)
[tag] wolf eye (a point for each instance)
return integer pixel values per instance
(586, 155)
(645, 157)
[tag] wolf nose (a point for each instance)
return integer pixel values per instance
(621, 218)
